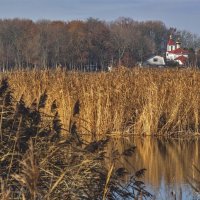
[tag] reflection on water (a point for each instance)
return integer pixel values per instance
(169, 162)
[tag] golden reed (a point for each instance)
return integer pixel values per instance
(139, 101)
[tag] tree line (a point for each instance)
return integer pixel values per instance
(86, 44)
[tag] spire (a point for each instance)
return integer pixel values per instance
(178, 43)
(171, 41)
(178, 40)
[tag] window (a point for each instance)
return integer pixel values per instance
(155, 60)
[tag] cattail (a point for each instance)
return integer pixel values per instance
(4, 86)
(140, 173)
(21, 107)
(54, 106)
(76, 109)
(129, 151)
(57, 126)
(42, 100)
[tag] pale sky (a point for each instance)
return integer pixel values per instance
(183, 14)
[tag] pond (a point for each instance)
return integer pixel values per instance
(169, 164)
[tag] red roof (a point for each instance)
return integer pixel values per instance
(182, 59)
(171, 42)
(178, 51)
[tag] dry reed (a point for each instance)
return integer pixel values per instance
(37, 162)
(139, 101)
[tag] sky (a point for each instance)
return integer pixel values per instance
(182, 14)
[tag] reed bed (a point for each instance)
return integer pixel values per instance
(38, 162)
(134, 101)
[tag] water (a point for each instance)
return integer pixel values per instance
(169, 164)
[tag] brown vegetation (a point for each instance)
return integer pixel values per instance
(36, 162)
(139, 101)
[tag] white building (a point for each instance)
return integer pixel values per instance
(175, 52)
(155, 61)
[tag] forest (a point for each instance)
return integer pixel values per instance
(87, 45)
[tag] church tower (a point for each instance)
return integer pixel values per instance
(178, 44)
(171, 44)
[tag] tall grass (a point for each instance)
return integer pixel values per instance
(139, 101)
(37, 162)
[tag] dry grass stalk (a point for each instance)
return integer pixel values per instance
(36, 162)
(107, 181)
(4, 192)
(29, 174)
(140, 101)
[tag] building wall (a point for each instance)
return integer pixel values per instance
(171, 47)
(171, 56)
(156, 60)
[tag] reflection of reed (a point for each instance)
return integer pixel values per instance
(166, 160)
